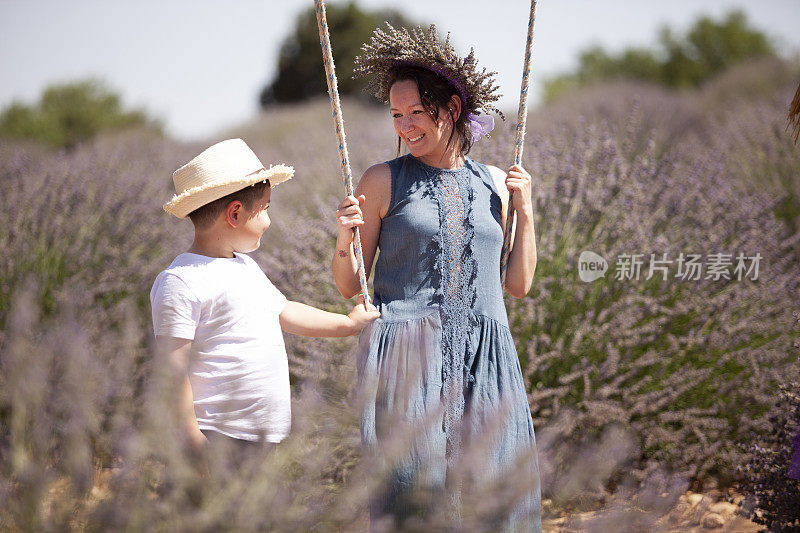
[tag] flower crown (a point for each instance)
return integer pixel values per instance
(395, 48)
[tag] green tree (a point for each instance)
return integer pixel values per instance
(301, 74)
(678, 61)
(710, 47)
(70, 113)
(635, 63)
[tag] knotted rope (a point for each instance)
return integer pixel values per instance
(522, 116)
(336, 109)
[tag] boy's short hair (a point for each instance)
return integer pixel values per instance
(204, 216)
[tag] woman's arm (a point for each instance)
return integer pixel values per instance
(366, 212)
(522, 256)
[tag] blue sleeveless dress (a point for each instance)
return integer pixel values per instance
(444, 406)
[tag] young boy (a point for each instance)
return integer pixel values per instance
(218, 316)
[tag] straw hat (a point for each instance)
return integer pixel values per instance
(218, 171)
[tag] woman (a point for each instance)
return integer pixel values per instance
(439, 371)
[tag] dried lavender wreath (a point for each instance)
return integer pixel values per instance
(389, 49)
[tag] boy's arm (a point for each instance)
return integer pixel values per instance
(302, 319)
(178, 351)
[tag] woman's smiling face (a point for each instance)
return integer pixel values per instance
(425, 138)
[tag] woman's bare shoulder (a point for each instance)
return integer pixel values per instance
(377, 173)
(495, 172)
(499, 177)
(376, 184)
(376, 178)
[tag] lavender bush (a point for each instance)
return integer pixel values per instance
(662, 379)
(689, 366)
(746, 132)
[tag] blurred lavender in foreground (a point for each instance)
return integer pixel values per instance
(639, 389)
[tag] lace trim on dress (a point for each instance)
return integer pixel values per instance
(455, 294)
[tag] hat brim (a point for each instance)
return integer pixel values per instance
(189, 200)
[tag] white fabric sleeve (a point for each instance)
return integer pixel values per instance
(277, 298)
(176, 310)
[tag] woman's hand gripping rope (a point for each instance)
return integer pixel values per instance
(522, 259)
(518, 182)
(348, 217)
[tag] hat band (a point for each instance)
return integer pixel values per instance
(244, 181)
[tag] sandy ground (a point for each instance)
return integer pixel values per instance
(694, 512)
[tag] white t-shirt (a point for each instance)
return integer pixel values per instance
(238, 370)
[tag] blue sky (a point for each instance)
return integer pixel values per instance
(200, 64)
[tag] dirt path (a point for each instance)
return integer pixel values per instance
(694, 512)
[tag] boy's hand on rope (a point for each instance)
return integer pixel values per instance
(348, 216)
(518, 182)
(362, 314)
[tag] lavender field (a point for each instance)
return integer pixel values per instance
(641, 389)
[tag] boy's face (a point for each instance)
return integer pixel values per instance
(256, 222)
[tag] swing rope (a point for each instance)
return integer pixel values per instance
(336, 109)
(522, 116)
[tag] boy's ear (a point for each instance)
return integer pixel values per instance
(234, 213)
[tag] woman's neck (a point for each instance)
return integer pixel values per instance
(448, 160)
